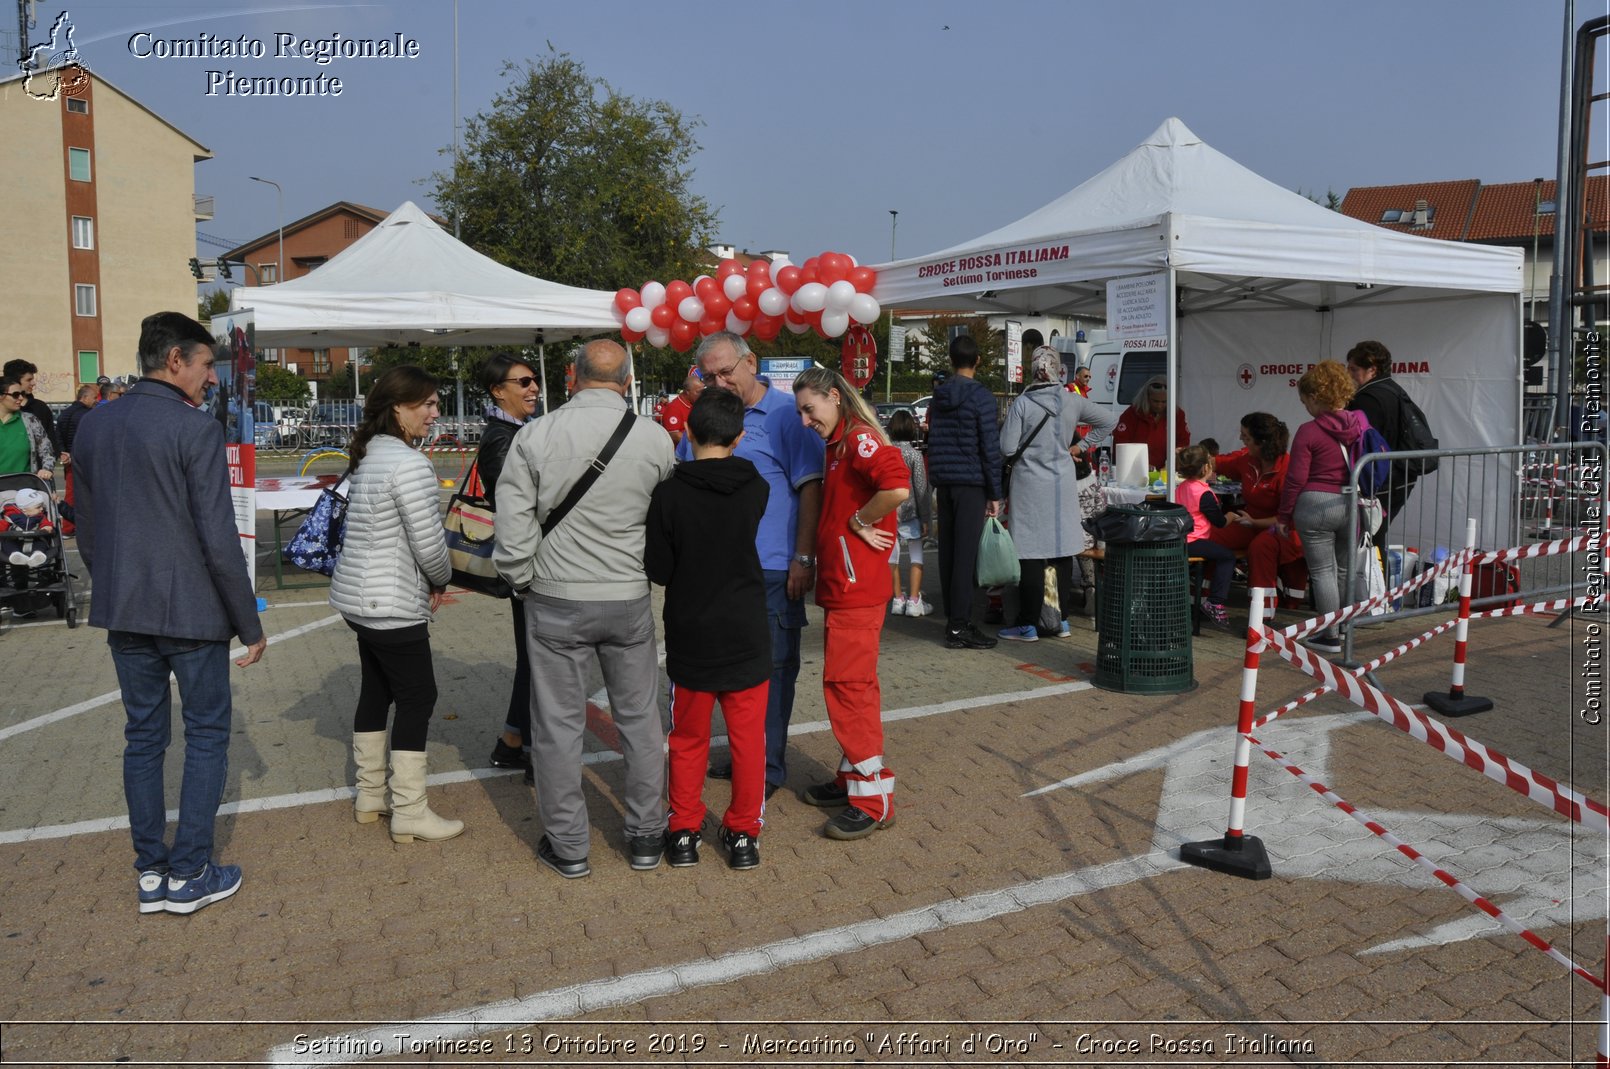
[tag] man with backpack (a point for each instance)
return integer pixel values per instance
(1394, 414)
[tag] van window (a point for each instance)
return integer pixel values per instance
(1139, 365)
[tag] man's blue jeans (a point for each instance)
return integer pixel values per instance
(786, 618)
(144, 663)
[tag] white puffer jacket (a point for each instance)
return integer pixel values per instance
(394, 550)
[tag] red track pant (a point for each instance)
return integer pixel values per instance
(745, 713)
(1269, 554)
(855, 706)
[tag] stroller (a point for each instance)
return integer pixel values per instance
(25, 589)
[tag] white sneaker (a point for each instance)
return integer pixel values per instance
(36, 558)
(898, 606)
(917, 607)
(18, 558)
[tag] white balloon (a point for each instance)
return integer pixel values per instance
(864, 308)
(639, 320)
(811, 297)
(774, 302)
(734, 286)
(653, 294)
(698, 280)
(840, 294)
(738, 326)
(796, 328)
(835, 323)
(657, 337)
(691, 309)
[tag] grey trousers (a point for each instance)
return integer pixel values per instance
(1326, 527)
(563, 637)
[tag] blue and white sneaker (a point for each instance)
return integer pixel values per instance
(153, 891)
(1026, 633)
(213, 884)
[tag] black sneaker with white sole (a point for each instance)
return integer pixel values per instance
(644, 851)
(569, 869)
(854, 823)
(742, 850)
(968, 638)
(682, 848)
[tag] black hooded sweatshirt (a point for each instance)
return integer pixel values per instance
(700, 545)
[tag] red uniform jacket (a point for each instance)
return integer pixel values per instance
(849, 573)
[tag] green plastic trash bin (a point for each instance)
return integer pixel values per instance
(1144, 619)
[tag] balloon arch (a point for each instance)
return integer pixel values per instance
(825, 294)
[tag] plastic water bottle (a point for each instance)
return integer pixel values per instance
(1104, 470)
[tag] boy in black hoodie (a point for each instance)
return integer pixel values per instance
(700, 546)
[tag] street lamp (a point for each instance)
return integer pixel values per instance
(894, 217)
(279, 272)
(1537, 217)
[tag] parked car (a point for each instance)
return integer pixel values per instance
(887, 409)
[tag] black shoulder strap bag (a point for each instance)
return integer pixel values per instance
(590, 476)
(1011, 461)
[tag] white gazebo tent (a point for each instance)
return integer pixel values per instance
(409, 281)
(1264, 281)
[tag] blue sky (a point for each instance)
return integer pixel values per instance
(819, 118)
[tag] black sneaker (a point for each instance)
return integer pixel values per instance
(968, 638)
(853, 823)
(827, 795)
(506, 756)
(742, 850)
(1322, 644)
(720, 771)
(644, 851)
(682, 848)
(570, 870)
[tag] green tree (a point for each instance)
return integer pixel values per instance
(274, 383)
(566, 178)
(214, 303)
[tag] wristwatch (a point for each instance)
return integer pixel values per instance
(807, 561)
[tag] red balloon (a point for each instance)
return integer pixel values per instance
(744, 308)
(759, 269)
(682, 335)
(811, 265)
(790, 279)
(766, 327)
(832, 268)
(729, 266)
(757, 286)
(663, 315)
(795, 317)
(810, 273)
(629, 335)
(815, 320)
(676, 292)
(710, 324)
(627, 299)
(706, 286)
(717, 306)
(863, 279)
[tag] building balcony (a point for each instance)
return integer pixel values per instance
(203, 207)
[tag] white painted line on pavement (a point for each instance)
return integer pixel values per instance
(633, 988)
(117, 695)
(600, 757)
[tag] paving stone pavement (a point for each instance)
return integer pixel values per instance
(1028, 906)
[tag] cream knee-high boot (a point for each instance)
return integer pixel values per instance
(369, 754)
(411, 818)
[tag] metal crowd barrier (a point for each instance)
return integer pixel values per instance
(1520, 495)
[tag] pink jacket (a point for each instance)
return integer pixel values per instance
(1317, 461)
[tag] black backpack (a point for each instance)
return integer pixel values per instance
(1415, 433)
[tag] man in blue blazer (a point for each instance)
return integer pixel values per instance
(156, 528)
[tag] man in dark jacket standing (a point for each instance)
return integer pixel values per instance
(964, 462)
(156, 528)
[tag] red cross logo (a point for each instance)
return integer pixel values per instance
(1244, 376)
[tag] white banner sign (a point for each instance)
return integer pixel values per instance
(1137, 307)
(1014, 351)
(897, 345)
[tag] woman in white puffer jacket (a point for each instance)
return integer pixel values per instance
(388, 584)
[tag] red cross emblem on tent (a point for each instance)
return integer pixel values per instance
(1244, 376)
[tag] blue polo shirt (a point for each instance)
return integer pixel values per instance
(788, 455)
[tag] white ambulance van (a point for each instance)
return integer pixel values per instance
(1117, 369)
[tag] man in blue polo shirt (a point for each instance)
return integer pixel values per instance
(789, 456)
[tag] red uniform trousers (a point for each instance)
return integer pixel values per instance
(855, 706)
(67, 496)
(1269, 554)
(745, 713)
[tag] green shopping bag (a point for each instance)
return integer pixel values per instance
(997, 557)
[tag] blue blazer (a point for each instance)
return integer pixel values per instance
(156, 524)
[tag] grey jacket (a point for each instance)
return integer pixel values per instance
(596, 552)
(156, 525)
(1043, 513)
(395, 550)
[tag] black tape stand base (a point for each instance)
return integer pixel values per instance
(1243, 856)
(1450, 704)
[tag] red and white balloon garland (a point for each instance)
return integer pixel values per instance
(826, 294)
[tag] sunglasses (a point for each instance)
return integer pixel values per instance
(17, 394)
(524, 381)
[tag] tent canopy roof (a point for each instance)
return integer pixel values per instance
(408, 280)
(1233, 236)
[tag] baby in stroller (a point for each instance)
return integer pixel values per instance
(29, 512)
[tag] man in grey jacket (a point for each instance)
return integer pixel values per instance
(156, 529)
(587, 595)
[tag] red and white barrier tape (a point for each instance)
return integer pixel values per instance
(1562, 798)
(1536, 609)
(1347, 612)
(1537, 549)
(1383, 659)
(1414, 855)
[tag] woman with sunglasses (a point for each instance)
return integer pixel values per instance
(514, 389)
(24, 445)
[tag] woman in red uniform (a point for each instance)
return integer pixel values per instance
(865, 482)
(1260, 464)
